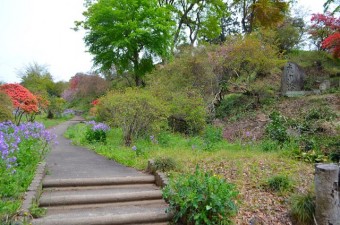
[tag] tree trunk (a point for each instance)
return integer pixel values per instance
(327, 211)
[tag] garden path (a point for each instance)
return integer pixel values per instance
(82, 187)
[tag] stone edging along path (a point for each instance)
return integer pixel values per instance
(33, 193)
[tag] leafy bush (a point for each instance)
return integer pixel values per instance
(303, 208)
(135, 111)
(277, 128)
(96, 132)
(324, 113)
(279, 183)
(211, 136)
(6, 107)
(268, 145)
(201, 198)
(165, 164)
(234, 106)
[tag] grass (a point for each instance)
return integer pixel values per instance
(245, 165)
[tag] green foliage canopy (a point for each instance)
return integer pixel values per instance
(127, 34)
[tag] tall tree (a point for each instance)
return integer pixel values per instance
(323, 25)
(37, 79)
(195, 19)
(261, 13)
(127, 34)
(335, 3)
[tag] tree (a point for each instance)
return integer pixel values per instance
(37, 79)
(290, 33)
(40, 82)
(195, 19)
(241, 60)
(328, 3)
(127, 34)
(332, 43)
(85, 88)
(24, 102)
(322, 26)
(261, 13)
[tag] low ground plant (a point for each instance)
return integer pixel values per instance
(279, 183)
(201, 198)
(302, 208)
(96, 132)
(165, 164)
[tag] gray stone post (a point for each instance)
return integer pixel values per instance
(327, 211)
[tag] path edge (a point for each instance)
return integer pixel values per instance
(161, 179)
(33, 193)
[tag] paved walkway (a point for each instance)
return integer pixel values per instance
(83, 188)
(69, 161)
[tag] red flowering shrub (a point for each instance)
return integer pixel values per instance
(95, 102)
(325, 31)
(23, 101)
(332, 43)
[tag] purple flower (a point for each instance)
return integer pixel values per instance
(11, 136)
(134, 148)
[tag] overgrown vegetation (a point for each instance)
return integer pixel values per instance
(237, 163)
(201, 198)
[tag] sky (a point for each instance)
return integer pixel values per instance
(40, 31)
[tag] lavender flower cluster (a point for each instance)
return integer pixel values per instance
(11, 136)
(68, 112)
(98, 126)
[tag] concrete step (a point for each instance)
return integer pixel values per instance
(147, 179)
(59, 208)
(124, 186)
(130, 214)
(95, 196)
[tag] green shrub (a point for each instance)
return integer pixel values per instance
(268, 145)
(136, 111)
(201, 198)
(277, 128)
(165, 164)
(164, 138)
(234, 106)
(279, 183)
(324, 113)
(95, 136)
(6, 107)
(187, 113)
(211, 136)
(96, 132)
(302, 208)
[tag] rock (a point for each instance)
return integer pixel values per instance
(292, 78)
(292, 94)
(325, 85)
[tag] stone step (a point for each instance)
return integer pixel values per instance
(129, 214)
(147, 179)
(123, 186)
(96, 196)
(59, 208)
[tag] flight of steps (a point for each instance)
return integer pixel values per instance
(102, 201)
